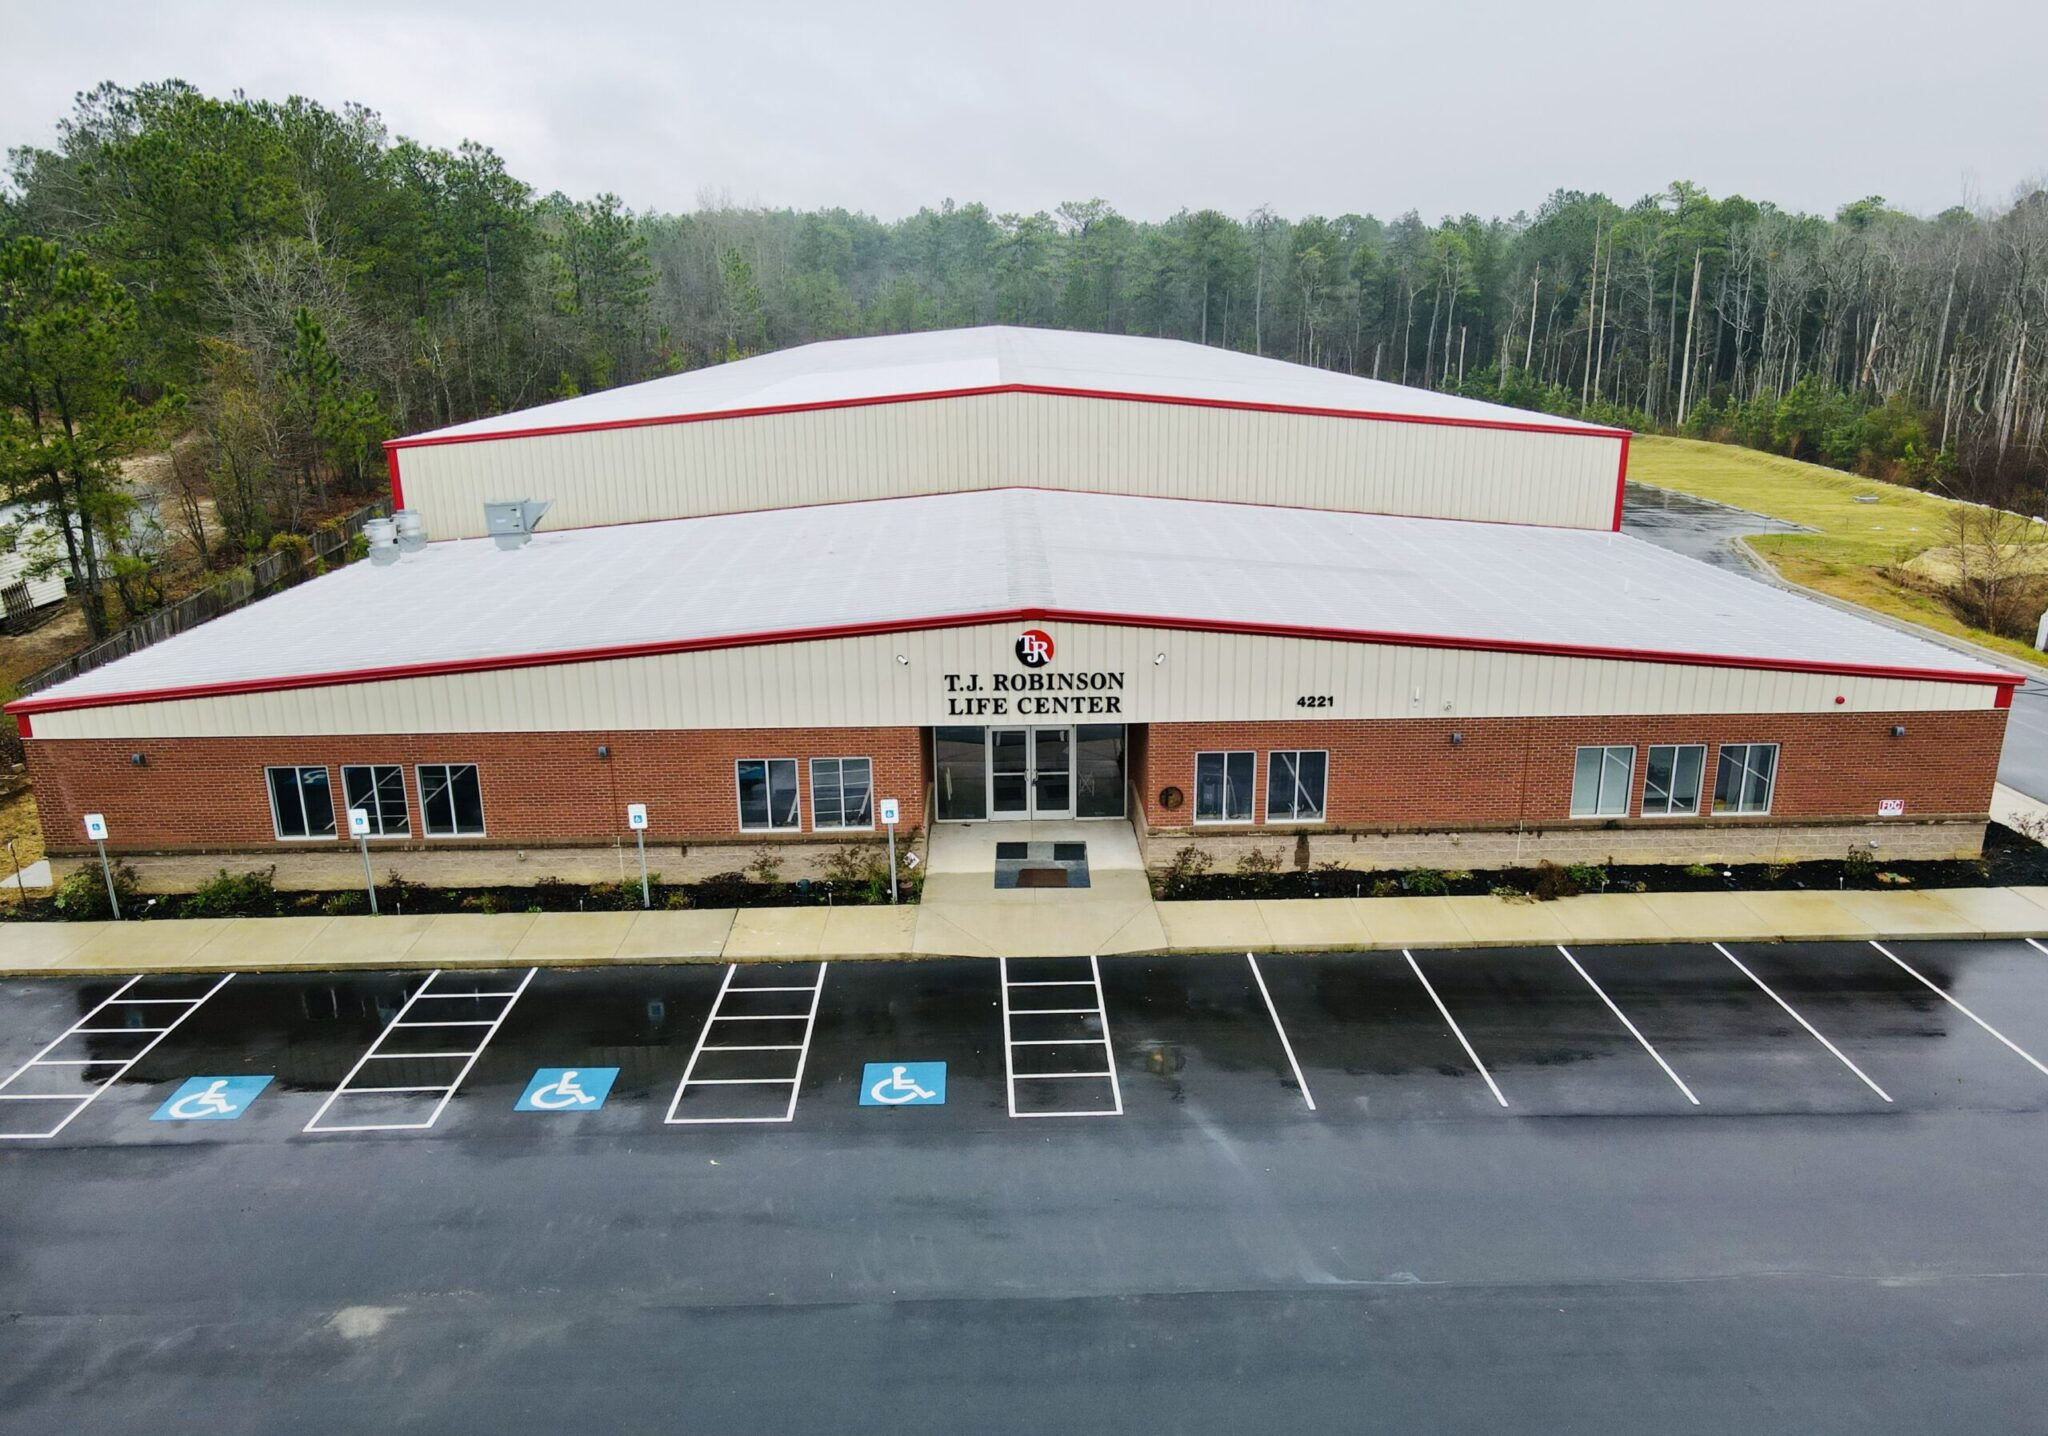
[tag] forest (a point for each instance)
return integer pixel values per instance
(267, 290)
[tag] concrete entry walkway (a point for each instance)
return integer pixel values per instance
(962, 912)
(968, 848)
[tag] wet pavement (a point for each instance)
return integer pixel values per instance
(1708, 532)
(1763, 1187)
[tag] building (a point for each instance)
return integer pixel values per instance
(1005, 574)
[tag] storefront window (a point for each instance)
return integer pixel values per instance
(960, 773)
(1099, 770)
(1223, 787)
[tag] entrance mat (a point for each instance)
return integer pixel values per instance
(1041, 865)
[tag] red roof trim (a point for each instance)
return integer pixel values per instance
(1620, 481)
(397, 489)
(22, 706)
(1514, 426)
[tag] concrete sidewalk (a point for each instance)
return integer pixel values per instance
(1025, 924)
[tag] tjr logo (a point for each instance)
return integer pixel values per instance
(1034, 648)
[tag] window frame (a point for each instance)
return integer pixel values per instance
(1322, 808)
(1770, 788)
(426, 822)
(378, 830)
(1251, 817)
(1627, 784)
(795, 781)
(1699, 787)
(299, 791)
(842, 827)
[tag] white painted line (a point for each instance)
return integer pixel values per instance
(465, 1022)
(1116, 1089)
(1803, 1022)
(2036, 946)
(1632, 1031)
(1056, 1042)
(361, 1091)
(45, 1096)
(803, 1050)
(459, 996)
(120, 1065)
(1285, 1046)
(1455, 1030)
(2031, 1061)
(1050, 1076)
(1100, 1011)
(1062, 982)
(467, 1058)
(1055, 1012)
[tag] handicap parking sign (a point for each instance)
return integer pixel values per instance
(210, 1099)
(903, 1084)
(567, 1089)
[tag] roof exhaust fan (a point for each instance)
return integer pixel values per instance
(382, 539)
(511, 523)
(412, 532)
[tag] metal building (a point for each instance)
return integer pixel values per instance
(1020, 575)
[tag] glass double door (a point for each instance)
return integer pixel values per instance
(1031, 772)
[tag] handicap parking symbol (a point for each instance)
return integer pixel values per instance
(210, 1099)
(567, 1089)
(903, 1084)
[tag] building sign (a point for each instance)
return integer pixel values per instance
(1034, 695)
(1034, 648)
(1891, 807)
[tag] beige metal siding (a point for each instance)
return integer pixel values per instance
(858, 682)
(983, 441)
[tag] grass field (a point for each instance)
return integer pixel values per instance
(1854, 545)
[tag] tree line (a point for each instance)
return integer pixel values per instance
(281, 286)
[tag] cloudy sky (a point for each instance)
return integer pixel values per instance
(1440, 107)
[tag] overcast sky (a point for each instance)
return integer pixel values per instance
(1440, 107)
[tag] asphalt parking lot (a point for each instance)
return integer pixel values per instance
(1793, 1187)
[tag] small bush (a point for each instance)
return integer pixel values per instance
(343, 904)
(1554, 882)
(861, 870)
(765, 867)
(723, 890)
(1859, 863)
(1507, 892)
(227, 894)
(1183, 871)
(1386, 887)
(1590, 877)
(82, 896)
(1426, 882)
(676, 901)
(1259, 869)
(1702, 870)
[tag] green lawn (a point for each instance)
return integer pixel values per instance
(1854, 544)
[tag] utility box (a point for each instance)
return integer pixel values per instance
(511, 522)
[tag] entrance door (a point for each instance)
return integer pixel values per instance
(1031, 772)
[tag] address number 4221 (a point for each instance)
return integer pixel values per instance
(1315, 700)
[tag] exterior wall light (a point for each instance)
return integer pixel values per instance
(1157, 659)
(604, 750)
(903, 659)
(1457, 740)
(138, 760)
(1898, 730)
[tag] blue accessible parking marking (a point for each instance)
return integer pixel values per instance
(903, 1084)
(567, 1089)
(210, 1099)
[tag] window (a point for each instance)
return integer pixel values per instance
(301, 804)
(1743, 781)
(1600, 781)
(768, 793)
(451, 800)
(842, 793)
(379, 788)
(1671, 779)
(1099, 770)
(1223, 787)
(1294, 785)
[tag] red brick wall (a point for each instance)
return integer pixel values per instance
(537, 787)
(1403, 773)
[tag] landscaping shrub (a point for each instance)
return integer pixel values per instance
(82, 896)
(227, 894)
(1590, 877)
(1183, 871)
(1859, 864)
(1258, 868)
(1426, 882)
(765, 867)
(1554, 882)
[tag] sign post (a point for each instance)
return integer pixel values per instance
(96, 829)
(889, 814)
(359, 829)
(636, 819)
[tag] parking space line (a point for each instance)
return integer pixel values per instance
(1456, 1031)
(795, 1082)
(1793, 1013)
(465, 1022)
(2036, 946)
(1285, 1046)
(459, 996)
(79, 1102)
(1964, 1010)
(423, 991)
(1623, 1016)
(1100, 1011)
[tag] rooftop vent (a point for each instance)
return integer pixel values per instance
(383, 541)
(412, 531)
(512, 522)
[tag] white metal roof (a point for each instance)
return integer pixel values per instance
(903, 561)
(848, 370)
